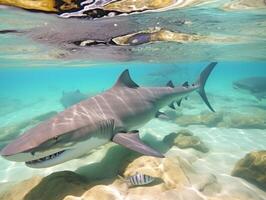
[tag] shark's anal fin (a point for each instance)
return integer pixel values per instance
(133, 142)
(179, 102)
(185, 84)
(159, 114)
(172, 105)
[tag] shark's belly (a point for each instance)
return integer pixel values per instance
(87, 146)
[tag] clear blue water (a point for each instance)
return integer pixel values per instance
(33, 77)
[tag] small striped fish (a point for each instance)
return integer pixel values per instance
(138, 179)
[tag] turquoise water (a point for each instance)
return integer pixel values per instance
(36, 69)
(30, 87)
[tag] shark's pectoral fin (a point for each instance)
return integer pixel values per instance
(133, 142)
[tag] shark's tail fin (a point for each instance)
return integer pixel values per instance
(202, 81)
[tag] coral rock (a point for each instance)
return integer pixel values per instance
(154, 35)
(208, 119)
(42, 5)
(138, 5)
(171, 179)
(252, 168)
(59, 185)
(185, 139)
(20, 190)
(244, 4)
(100, 192)
(55, 186)
(243, 121)
(167, 169)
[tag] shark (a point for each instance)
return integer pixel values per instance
(113, 115)
(72, 97)
(255, 86)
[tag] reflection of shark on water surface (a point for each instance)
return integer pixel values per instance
(64, 37)
(112, 115)
(255, 86)
(164, 72)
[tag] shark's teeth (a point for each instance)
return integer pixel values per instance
(52, 156)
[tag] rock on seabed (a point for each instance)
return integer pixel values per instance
(252, 168)
(185, 139)
(245, 5)
(52, 187)
(175, 180)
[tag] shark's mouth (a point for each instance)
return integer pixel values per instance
(46, 158)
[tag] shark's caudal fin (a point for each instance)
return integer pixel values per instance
(202, 81)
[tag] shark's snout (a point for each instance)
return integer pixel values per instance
(48, 153)
(22, 144)
(36, 159)
(31, 153)
(12, 149)
(14, 152)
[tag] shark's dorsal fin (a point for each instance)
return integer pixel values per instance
(170, 84)
(125, 80)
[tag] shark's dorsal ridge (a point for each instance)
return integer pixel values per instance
(125, 80)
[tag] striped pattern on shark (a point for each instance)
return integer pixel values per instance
(113, 115)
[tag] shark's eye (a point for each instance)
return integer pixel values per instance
(55, 138)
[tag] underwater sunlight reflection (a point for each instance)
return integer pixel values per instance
(133, 99)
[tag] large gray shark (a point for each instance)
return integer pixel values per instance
(72, 97)
(255, 86)
(113, 115)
